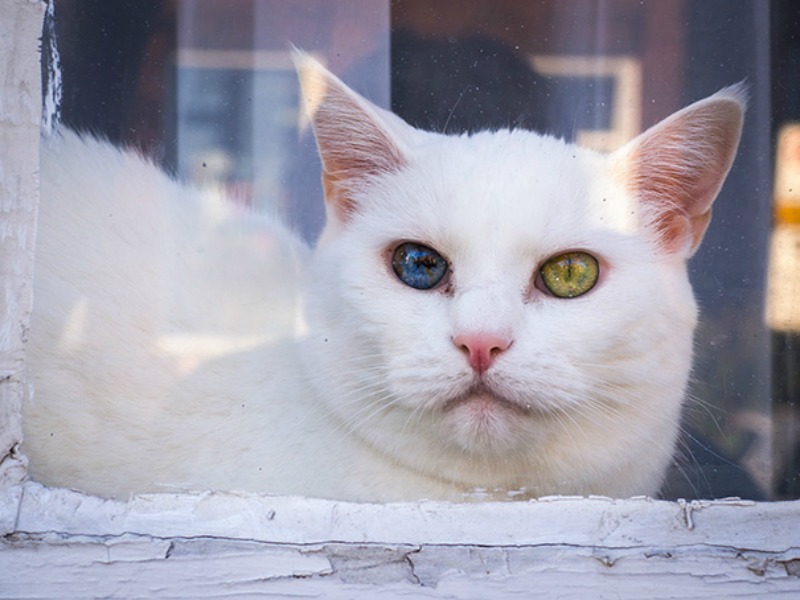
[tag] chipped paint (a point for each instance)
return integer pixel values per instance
(20, 111)
(283, 546)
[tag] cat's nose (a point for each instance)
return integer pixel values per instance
(481, 348)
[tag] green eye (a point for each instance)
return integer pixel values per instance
(570, 275)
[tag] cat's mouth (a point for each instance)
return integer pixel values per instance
(480, 397)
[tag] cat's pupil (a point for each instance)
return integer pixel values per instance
(418, 266)
(569, 268)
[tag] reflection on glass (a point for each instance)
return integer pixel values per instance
(207, 87)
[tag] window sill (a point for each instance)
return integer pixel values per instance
(62, 543)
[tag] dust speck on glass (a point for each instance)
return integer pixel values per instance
(207, 88)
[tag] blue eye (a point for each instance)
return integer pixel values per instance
(418, 266)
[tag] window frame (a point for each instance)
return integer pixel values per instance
(58, 542)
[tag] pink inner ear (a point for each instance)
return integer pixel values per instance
(677, 167)
(353, 143)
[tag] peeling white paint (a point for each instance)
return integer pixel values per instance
(277, 519)
(20, 113)
(51, 111)
(224, 544)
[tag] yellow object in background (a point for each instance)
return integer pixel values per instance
(783, 280)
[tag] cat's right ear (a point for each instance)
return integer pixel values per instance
(676, 168)
(357, 141)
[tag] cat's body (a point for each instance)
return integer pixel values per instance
(350, 382)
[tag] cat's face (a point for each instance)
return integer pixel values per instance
(488, 362)
(502, 309)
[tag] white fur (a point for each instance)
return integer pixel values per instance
(342, 385)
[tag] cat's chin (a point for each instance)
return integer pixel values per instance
(484, 422)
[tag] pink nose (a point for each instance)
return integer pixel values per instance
(481, 348)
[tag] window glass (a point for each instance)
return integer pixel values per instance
(207, 88)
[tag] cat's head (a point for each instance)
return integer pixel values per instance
(504, 308)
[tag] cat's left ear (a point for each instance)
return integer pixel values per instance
(676, 168)
(357, 141)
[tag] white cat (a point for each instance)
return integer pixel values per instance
(501, 313)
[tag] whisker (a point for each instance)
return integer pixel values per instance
(453, 109)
